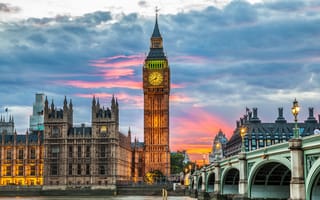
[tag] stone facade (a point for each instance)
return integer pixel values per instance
(156, 89)
(97, 157)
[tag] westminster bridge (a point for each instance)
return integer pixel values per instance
(289, 170)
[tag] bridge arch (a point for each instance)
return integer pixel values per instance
(313, 181)
(270, 179)
(230, 181)
(210, 182)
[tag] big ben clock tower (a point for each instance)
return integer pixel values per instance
(156, 89)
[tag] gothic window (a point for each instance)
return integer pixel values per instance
(79, 151)
(32, 153)
(32, 170)
(102, 151)
(55, 151)
(102, 170)
(70, 169)
(70, 151)
(88, 152)
(20, 154)
(79, 169)
(9, 154)
(87, 169)
(8, 171)
(20, 171)
(54, 169)
(55, 131)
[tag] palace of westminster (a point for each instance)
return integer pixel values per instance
(57, 155)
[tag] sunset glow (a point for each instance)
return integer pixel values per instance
(195, 130)
(119, 61)
(223, 56)
(112, 84)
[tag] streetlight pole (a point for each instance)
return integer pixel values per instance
(243, 134)
(295, 111)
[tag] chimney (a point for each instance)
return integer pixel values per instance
(280, 118)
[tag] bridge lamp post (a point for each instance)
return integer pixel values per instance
(295, 111)
(243, 134)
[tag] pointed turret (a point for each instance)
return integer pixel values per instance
(52, 106)
(70, 104)
(129, 132)
(65, 103)
(156, 49)
(156, 32)
(113, 101)
(46, 107)
(94, 101)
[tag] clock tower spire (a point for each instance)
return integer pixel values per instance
(156, 90)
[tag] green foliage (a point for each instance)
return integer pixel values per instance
(176, 161)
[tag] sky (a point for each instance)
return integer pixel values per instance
(224, 56)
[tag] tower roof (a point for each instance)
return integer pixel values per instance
(156, 49)
(156, 32)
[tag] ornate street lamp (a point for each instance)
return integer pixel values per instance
(295, 111)
(243, 133)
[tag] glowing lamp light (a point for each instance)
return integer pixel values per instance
(243, 133)
(218, 146)
(295, 109)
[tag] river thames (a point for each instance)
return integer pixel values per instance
(97, 198)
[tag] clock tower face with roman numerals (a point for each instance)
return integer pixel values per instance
(156, 89)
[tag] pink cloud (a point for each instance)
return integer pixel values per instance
(108, 84)
(119, 61)
(180, 98)
(116, 73)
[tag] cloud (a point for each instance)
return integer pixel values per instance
(221, 60)
(7, 8)
(118, 61)
(143, 3)
(114, 84)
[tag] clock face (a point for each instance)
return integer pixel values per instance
(155, 78)
(103, 129)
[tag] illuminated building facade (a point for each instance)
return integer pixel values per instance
(156, 89)
(137, 160)
(218, 146)
(22, 160)
(97, 157)
(260, 134)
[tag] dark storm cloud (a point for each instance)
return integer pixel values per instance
(7, 8)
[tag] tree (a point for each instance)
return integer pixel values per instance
(176, 160)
